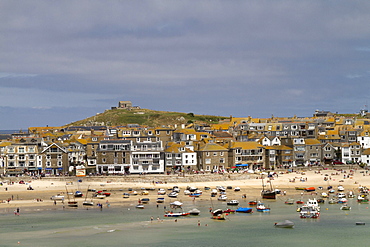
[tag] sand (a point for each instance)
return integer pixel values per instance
(43, 189)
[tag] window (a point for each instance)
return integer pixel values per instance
(31, 156)
(60, 163)
(222, 160)
(31, 149)
(207, 153)
(21, 149)
(208, 161)
(221, 153)
(104, 160)
(21, 157)
(48, 163)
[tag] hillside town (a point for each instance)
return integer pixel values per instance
(232, 145)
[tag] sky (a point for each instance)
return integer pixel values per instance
(63, 61)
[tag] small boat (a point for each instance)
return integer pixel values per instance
(331, 191)
(175, 214)
(244, 210)
(229, 211)
(332, 201)
(262, 208)
(236, 189)
(310, 189)
(345, 207)
(88, 203)
(320, 201)
(176, 204)
(342, 200)
(161, 192)
(160, 200)
(140, 206)
(194, 211)
(72, 204)
(289, 201)
(173, 194)
(57, 198)
(145, 193)
(324, 195)
(299, 202)
(351, 194)
(145, 200)
(284, 224)
(126, 195)
(254, 202)
(360, 223)
(133, 193)
(233, 203)
(218, 214)
(187, 192)
(195, 194)
(300, 188)
(340, 188)
(222, 198)
(78, 194)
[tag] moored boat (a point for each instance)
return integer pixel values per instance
(175, 214)
(233, 203)
(284, 224)
(244, 210)
(160, 200)
(218, 214)
(194, 211)
(261, 207)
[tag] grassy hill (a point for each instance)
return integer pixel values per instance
(116, 117)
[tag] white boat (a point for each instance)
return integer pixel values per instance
(194, 211)
(237, 189)
(308, 211)
(285, 224)
(340, 188)
(187, 192)
(233, 203)
(161, 192)
(140, 206)
(222, 198)
(57, 198)
(345, 207)
(173, 194)
(176, 204)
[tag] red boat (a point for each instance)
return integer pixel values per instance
(228, 211)
(299, 202)
(252, 202)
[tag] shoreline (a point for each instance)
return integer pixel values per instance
(252, 186)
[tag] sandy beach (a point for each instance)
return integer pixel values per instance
(43, 189)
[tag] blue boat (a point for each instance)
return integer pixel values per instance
(244, 210)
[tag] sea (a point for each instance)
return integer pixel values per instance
(124, 225)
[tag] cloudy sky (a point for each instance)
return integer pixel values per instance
(62, 61)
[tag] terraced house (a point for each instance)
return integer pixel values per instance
(248, 143)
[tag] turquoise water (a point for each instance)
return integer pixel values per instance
(121, 225)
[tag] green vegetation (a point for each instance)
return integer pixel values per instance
(116, 117)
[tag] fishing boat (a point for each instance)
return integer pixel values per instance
(194, 211)
(284, 224)
(233, 203)
(244, 210)
(218, 214)
(261, 207)
(362, 198)
(309, 211)
(268, 194)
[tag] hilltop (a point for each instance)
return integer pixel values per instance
(146, 117)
